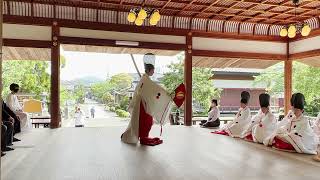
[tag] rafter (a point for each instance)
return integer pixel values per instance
(165, 5)
(207, 8)
(185, 7)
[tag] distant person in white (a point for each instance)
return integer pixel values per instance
(79, 117)
(14, 105)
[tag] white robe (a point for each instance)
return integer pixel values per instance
(13, 103)
(299, 134)
(240, 122)
(264, 128)
(286, 119)
(156, 102)
(254, 120)
(79, 118)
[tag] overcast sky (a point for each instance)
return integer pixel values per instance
(101, 65)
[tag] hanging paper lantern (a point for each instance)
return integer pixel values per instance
(292, 29)
(292, 34)
(142, 14)
(153, 22)
(305, 31)
(139, 22)
(284, 32)
(131, 17)
(156, 15)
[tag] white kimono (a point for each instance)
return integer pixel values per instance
(264, 128)
(254, 120)
(286, 119)
(13, 103)
(240, 122)
(156, 101)
(299, 134)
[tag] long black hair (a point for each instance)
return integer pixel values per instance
(213, 101)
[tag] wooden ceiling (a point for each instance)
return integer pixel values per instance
(218, 62)
(253, 11)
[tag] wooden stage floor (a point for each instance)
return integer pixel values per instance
(187, 153)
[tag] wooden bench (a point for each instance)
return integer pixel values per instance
(44, 121)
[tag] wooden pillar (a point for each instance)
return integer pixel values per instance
(188, 81)
(55, 78)
(1, 20)
(287, 81)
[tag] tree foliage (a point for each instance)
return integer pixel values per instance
(306, 79)
(31, 76)
(202, 86)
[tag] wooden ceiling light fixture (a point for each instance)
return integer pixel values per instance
(138, 15)
(298, 27)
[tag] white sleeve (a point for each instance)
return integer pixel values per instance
(213, 115)
(10, 102)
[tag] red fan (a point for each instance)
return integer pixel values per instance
(179, 95)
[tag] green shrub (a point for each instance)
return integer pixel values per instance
(112, 109)
(122, 113)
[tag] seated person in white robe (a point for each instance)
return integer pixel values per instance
(213, 115)
(316, 129)
(266, 124)
(14, 105)
(297, 135)
(150, 102)
(240, 122)
(289, 116)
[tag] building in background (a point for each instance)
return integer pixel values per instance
(232, 81)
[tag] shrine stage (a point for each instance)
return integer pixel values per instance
(187, 153)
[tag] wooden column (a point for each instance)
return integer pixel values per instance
(55, 78)
(287, 81)
(188, 81)
(1, 21)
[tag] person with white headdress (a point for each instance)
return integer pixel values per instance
(242, 119)
(262, 125)
(297, 135)
(150, 102)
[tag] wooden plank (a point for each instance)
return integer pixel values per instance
(306, 54)
(245, 55)
(287, 82)
(26, 43)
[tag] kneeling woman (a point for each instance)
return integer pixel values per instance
(297, 135)
(213, 116)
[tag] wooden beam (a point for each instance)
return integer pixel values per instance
(185, 7)
(229, 35)
(306, 54)
(26, 43)
(1, 23)
(244, 55)
(112, 43)
(232, 77)
(55, 78)
(131, 29)
(287, 81)
(313, 33)
(188, 81)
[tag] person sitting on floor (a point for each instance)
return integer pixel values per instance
(289, 116)
(265, 125)
(213, 116)
(297, 135)
(14, 105)
(79, 117)
(242, 119)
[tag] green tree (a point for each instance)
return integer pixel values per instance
(202, 86)
(121, 81)
(32, 76)
(306, 79)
